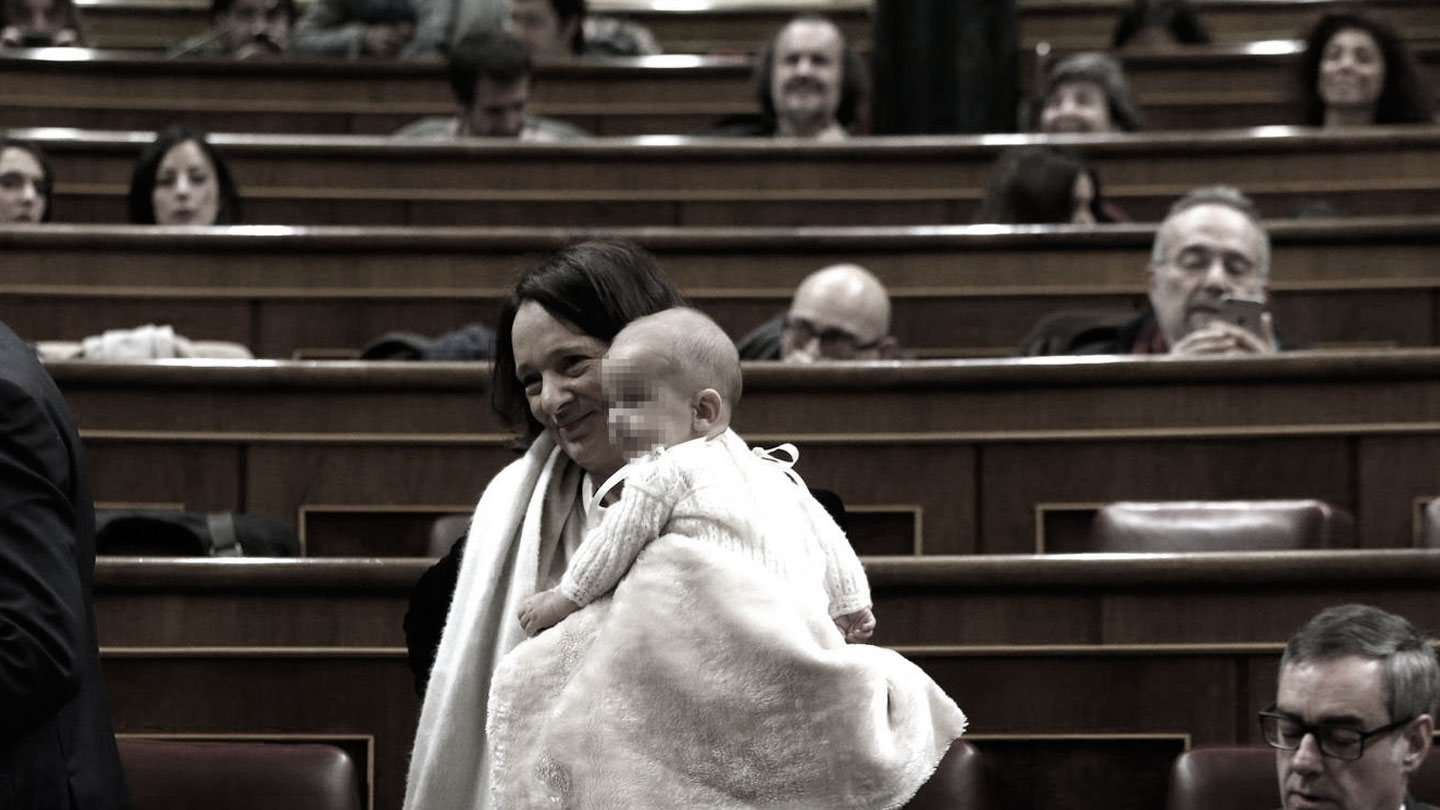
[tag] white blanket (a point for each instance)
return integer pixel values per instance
(706, 682)
(514, 536)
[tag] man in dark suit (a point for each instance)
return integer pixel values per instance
(1354, 711)
(57, 749)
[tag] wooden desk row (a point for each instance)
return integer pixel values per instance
(957, 291)
(1082, 676)
(959, 457)
(351, 180)
(744, 27)
(1219, 87)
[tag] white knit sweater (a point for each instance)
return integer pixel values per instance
(718, 491)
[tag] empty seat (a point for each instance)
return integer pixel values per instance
(188, 775)
(1139, 526)
(1244, 778)
(958, 782)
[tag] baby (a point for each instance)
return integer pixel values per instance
(670, 380)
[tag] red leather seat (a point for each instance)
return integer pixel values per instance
(186, 775)
(1277, 525)
(1244, 778)
(957, 784)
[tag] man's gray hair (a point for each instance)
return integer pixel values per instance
(1412, 675)
(1227, 196)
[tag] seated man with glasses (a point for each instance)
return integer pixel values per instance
(841, 312)
(1354, 711)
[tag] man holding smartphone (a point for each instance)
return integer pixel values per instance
(1207, 279)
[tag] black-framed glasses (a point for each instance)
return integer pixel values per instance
(1286, 732)
(834, 342)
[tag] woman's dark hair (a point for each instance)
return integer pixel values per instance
(1404, 99)
(566, 10)
(853, 82)
(47, 174)
(1036, 185)
(142, 181)
(286, 7)
(1176, 17)
(599, 287)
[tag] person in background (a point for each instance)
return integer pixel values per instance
(1354, 711)
(840, 312)
(370, 28)
(490, 77)
(1358, 72)
(1044, 184)
(39, 24)
(1159, 25)
(57, 747)
(1211, 249)
(181, 180)
(555, 30)
(242, 29)
(26, 182)
(1087, 92)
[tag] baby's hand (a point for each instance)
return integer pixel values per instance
(857, 626)
(544, 610)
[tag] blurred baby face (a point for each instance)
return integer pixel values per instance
(647, 409)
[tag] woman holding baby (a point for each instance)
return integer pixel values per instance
(701, 682)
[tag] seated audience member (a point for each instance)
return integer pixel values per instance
(39, 23)
(1354, 711)
(561, 29)
(840, 312)
(243, 29)
(181, 180)
(375, 28)
(1159, 25)
(1358, 72)
(1087, 92)
(1043, 184)
(1211, 246)
(810, 84)
(26, 181)
(490, 75)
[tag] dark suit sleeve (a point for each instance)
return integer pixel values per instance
(429, 606)
(42, 620)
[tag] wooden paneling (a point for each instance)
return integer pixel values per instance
(340, 180)
(972, 447)
(1080, 674)
(957, 291)
(1205, 88)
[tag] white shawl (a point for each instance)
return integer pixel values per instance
(515, 529)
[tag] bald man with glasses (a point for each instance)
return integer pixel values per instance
(840, 312)
(1354, 711)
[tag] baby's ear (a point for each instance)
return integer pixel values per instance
(707, 409)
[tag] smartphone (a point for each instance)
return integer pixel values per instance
(1243, 312)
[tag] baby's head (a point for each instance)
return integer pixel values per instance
(668, 378)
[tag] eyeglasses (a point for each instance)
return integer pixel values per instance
(1287, 732)
(834, 342)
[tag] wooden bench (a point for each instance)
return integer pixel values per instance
(342, 180)
(1083, 676)
(959, 457)
(744, 26)
(675, 94)
(957, 291)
